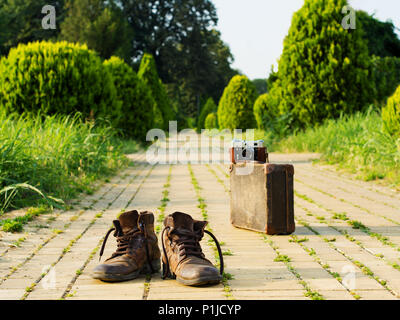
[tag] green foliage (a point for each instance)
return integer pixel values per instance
(57, 78)
(355, 143)
(208, 108)
(261, 110)
(261, 86)
(380, 36)
(148, 73)
(385, 76)
(323, 70)
(211, 121)
(391, 114)
(235, 110)
(189, 52)
(21, 22)
(59, 155)
(137, 102)
(100, 26)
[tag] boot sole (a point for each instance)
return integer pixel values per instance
(108, 277)
(200, 281)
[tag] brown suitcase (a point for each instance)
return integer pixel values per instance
(263, 200)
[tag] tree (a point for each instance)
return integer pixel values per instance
(209, 107)
(324, 68)
(380, 36)
(235, 109)
(21, 22)
(260, 110)
(211, 122)
(261, 86)
(190, 56)
(99, 25)
(148, 74)
(137, 103)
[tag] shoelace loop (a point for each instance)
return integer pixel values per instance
(123, 241)
(190, 245)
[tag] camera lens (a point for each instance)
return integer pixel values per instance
(248, 154)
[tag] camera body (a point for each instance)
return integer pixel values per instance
(245, 151)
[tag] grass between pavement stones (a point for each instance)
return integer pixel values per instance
(364, 269)
(314, 295)
(55, 232)
(73, 241)
(74, 218)
(159, 222)
(324, 265)
(203, 207)
(310, 293)
(348, 202)
(164, 201)
(355, 225)
(67, 291)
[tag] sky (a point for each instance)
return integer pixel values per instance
(255, 29)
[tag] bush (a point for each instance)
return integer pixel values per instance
(324, 69)
(235, 110)
(386, 77)
(211, 121)
(137, 102)
(55, 78)
(148, 73)
(261, 110)
(391, 114)
(208, 108)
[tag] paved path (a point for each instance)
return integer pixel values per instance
(346, 245)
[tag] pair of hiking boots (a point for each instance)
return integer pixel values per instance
(138, 252)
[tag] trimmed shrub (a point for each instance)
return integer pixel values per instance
(391, 114)
(324, 68)
(208, 108)
(148, 73)
(260, 110)
(137, 103)
(235, 110)
(211, 121)
(386, 77)
(55, 78)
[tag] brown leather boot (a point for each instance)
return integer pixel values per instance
(137, 251)
(182, 255)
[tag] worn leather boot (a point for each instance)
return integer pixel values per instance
(137, 251)
(182, 255)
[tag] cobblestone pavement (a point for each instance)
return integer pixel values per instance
(346, 244)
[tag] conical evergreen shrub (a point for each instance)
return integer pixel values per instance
(208, 108)
(323, 70)
(148, 73)
(235, 109)
(137, 115)
(211, 121)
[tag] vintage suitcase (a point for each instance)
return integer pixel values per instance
(263, 199)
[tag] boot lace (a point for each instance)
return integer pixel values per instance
(124, 241)
(188, 243)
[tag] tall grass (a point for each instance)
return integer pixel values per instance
(354, 142)
(43, 158)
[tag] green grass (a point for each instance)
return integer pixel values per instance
(355, 143)
(43, 159)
